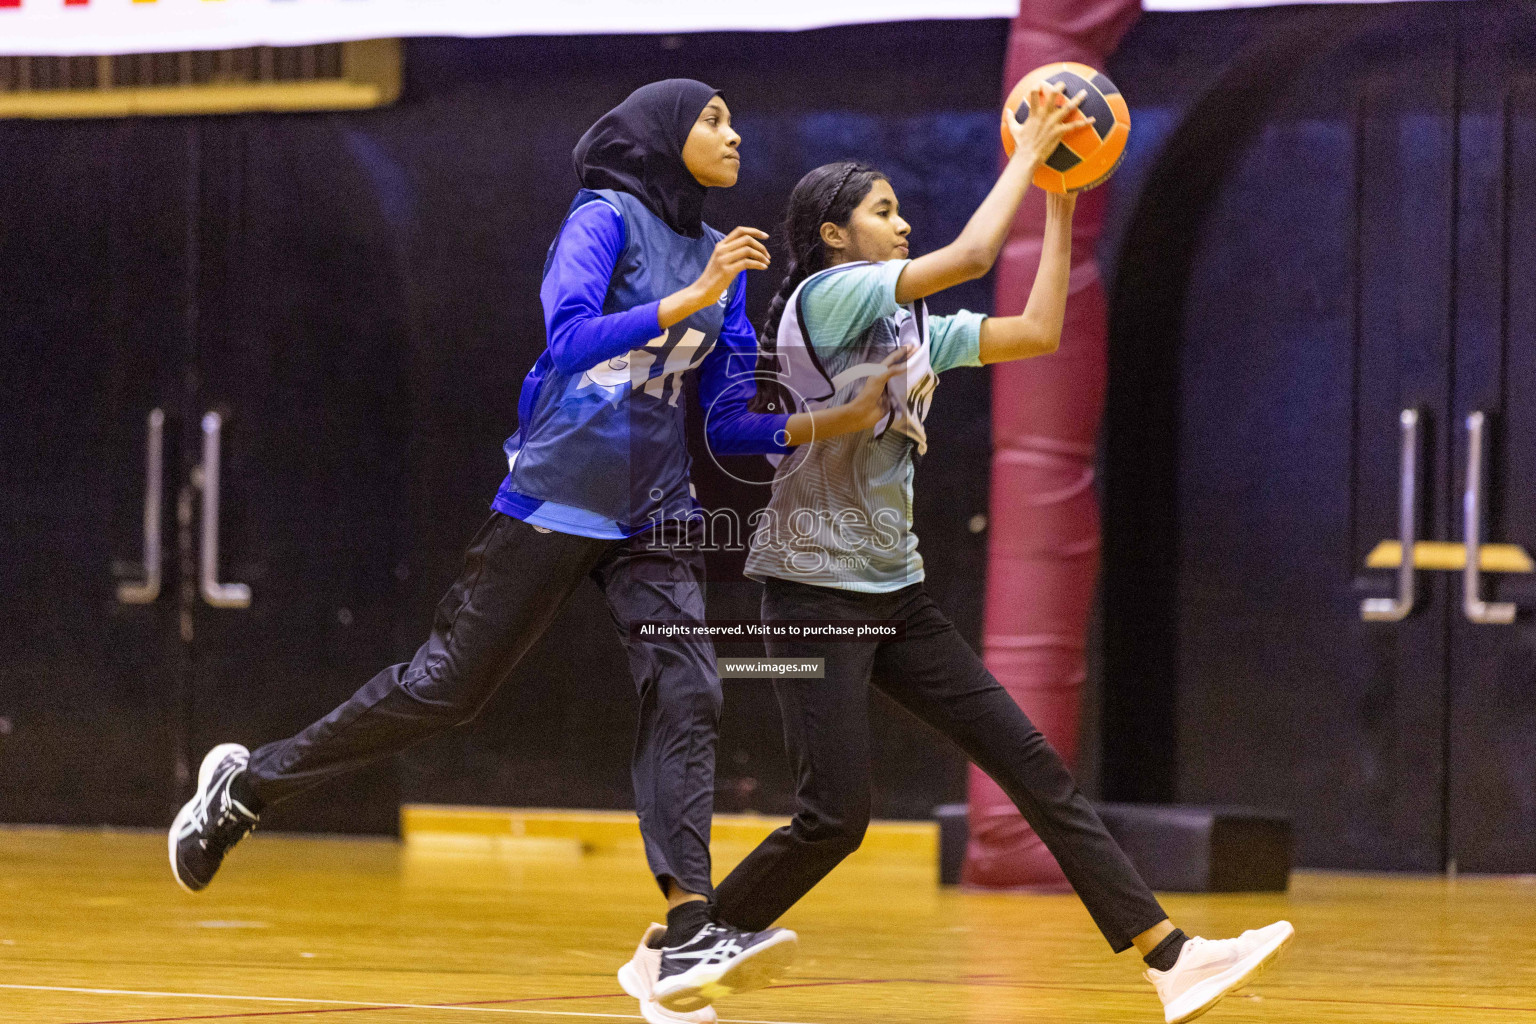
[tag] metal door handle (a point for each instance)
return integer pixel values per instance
(1488, 613)
(154, 467)
(220, 595)
(1396, 609)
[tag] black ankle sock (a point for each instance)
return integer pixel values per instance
(1166, 953)
(240, 792)
(685, 920)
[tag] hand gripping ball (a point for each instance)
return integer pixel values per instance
(1088, 154)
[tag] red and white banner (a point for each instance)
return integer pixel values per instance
(69, 27)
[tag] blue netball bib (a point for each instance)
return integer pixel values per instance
(610, 439)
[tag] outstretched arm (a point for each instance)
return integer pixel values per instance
(972, 254)
(1037, 331)
(727, 384)
(860, 412)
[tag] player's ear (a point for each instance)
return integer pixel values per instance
(834, 238)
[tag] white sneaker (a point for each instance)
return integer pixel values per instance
(1207, 970)
(639, 979)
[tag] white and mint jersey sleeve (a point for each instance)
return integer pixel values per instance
(838, 308)
(954, 340)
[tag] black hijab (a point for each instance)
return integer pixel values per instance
(637, 147)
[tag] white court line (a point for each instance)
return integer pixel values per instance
(353, 1002)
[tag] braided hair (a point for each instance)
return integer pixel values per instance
(830, 193)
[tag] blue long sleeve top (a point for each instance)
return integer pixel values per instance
(580, 335)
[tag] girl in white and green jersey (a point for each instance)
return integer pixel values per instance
(835, 544)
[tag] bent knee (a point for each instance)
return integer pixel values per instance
(848, 841)
(688, 700)
(839, 837)
(445, 699)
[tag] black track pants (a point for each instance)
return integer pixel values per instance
(515, 581)
(934, 674)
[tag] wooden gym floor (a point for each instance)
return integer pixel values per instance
(92, 929)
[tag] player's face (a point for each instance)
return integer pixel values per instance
(876, 231)
(710, 152)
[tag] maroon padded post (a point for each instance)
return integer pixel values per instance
(1043, 557)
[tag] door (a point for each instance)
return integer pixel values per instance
(1356, 343)
(1291, 275)
(300, 373)
(91, 315)
(1376, 787)
(1492, 742)
(185, 293)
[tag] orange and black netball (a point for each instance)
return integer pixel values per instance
(1089, 153)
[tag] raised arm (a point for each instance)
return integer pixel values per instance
(742, 249)
(576, 284)
(1037, 331)
(972, 254)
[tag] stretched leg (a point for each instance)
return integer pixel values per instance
(659, 577)
(826, 733)
(933, 673)
(515, 581)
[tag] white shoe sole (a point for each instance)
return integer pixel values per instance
(631, 982)
(757, 968)
(1212, 990)
(204, 772)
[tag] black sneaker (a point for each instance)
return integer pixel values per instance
(720, 960)
(212, 821)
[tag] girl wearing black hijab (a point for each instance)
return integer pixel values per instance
(638, 293)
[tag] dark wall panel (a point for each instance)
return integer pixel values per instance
(1309, 240)
(87, 686)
